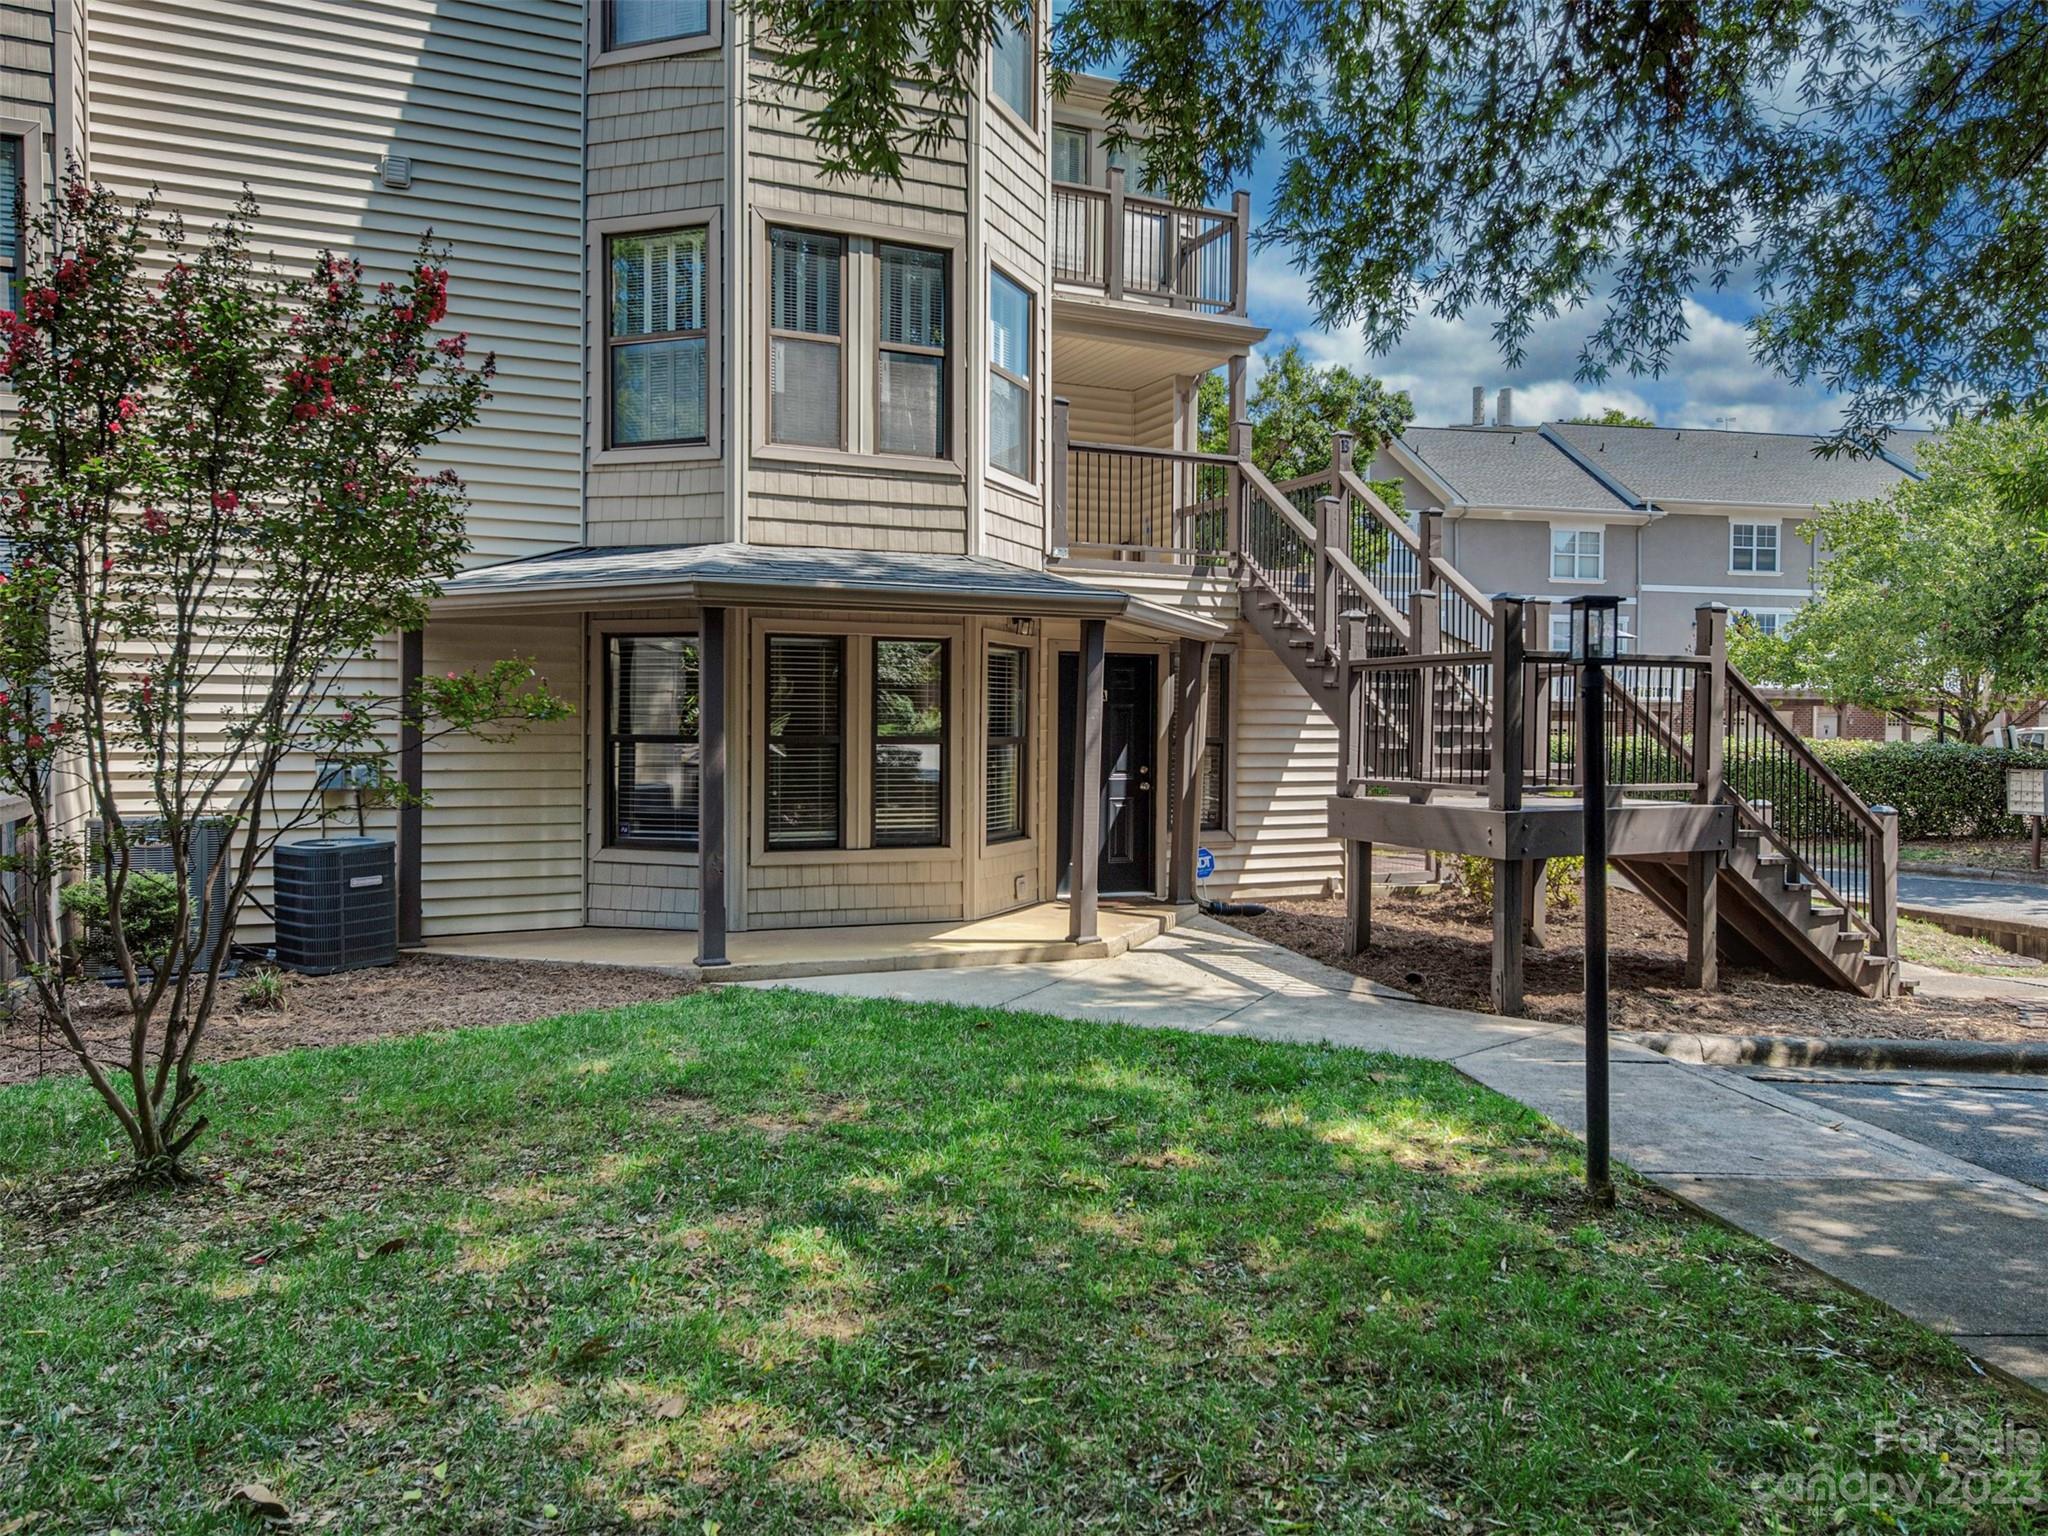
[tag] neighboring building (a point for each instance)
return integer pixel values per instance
(1666, 518)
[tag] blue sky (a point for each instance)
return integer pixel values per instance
(1714, 382)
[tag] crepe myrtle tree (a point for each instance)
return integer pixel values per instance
(217, 510)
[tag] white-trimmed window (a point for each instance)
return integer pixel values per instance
(805, 715)
(652, 748)
(1070, 154)
(1768, 621)
(1011, 407)
(910, 744)
(635, 23)
(1013, 68)
(1561, 632)
(657, 338)
(11, 211)
(1004, 777)
(910, 386)
(806, 364)
(1216, 747)
(1753, 547)
(1577, 554)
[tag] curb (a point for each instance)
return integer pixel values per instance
(1972, 872)
(1865, 1055)
(2015, 935)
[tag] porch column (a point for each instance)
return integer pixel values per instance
(711, 724)
(1703, 870)
(412, 665)
(1190, 710)
(1084, 879)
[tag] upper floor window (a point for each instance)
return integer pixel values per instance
(1753, 547)
(651, 741)
(1010, 405)
(1012, 68)
(630, 23)
(910, 744)
(10, 223)
(910, 404)
(657, 337)
(1070, 155)
(805, 362)
(1577, 554)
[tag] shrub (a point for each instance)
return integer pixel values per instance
(1471, 876)
(149, 916)
(265, 990)
(1939, 788)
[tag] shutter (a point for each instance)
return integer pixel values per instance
(806, 699)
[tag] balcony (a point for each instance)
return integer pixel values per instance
(1142, 250)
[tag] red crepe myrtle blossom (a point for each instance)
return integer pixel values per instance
(226, 501)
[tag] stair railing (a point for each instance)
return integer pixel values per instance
(1300, 561)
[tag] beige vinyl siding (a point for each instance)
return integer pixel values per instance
(1284, 760)
(1014, 171)
(28, 67)
(656, 146)
(301, 98)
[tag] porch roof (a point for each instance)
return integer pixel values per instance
(751, 573)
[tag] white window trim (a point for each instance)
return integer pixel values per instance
(1022, 485)
(860, 327)
(1777, 566)
(661, 48)
(598, 404)
(1087, 151)
(1781, 615)
(1599, 531)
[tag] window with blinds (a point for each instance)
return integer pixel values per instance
(10, 223)
(1216, 748)
(1009, 367)
(1012, 64)
(1003, 799)
(1070, 155)
(910, 406)
(805, 714)
(658, 338)
(629, 23)
(806, 271)
(910, 744)
(651, 741)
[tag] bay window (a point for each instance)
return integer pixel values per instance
(652, 751)
(805, 714)
(909, 744)
(657, 338)
(805, 339)
(910, 401)
(1003, 783)
(1011, 427)
(1013, 66)
(630, 23)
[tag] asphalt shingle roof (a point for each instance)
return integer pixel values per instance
(1761, 469)
(1519, 468)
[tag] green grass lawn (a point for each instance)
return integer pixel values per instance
(766, 1262)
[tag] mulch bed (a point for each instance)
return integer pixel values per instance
(1438, 946)
(422, 992)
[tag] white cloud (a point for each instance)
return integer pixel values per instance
(1713, 380)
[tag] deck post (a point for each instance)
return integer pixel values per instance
(1703, 869)
(1884, 894)
(1358, 898)
(1329, 536)
(1504, 775)
(1509, 918)
(1425, 637)
(711, 739)
(1113, 236)
(412, 666)
(1190, 713)
(1084, 880)
(1535, 902)
(1241, 253)
(1062, 527)
(1536, 690)
(1240, 452)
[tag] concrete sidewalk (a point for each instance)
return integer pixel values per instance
(1951, 1245)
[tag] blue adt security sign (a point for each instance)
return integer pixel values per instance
(1205, 864)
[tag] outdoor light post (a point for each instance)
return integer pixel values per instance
(1596, 640)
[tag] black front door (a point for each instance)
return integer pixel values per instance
(1129, 737)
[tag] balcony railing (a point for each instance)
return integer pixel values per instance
(1130, 247)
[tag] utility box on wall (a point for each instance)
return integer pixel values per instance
(336, 900)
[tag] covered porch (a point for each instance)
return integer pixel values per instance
(942, 842)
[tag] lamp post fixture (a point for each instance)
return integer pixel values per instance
(1596, 641)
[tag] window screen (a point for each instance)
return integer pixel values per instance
(1009, 384)
(657, 338)
(910, 743)
(1216, 749)
(911, 383)
(651, 727)
(805, 713)
(804, 337)
(628, 22)
(1004, 786)
(1010, 68)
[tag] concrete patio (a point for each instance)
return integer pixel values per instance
(1950, 1244)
